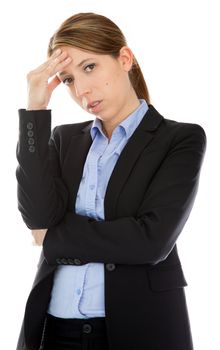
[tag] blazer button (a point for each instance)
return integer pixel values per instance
(77, 262)
(87, 328)
(110, 267)
(31, 149)
(30, 125)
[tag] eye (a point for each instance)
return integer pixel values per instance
(90, 67)
(67, 81)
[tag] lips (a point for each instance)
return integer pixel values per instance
(93, 104)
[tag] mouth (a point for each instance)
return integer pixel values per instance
(94, 107)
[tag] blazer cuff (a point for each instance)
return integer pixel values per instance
(33, 123)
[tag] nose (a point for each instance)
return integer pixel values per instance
(81, 89)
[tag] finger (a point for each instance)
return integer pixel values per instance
(54, 59)
(53, 84)
(58, 65)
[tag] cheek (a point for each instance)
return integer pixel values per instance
(111, 83)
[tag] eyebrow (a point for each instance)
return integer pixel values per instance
(78, 65)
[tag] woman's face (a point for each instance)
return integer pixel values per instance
(98, 83)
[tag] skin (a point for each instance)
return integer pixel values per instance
(100, 77)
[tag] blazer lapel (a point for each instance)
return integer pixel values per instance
(74, 163)
(139, 140)
(78, 150)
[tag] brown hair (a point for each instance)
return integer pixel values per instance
(98, 34)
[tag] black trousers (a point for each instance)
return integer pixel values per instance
(74, 334)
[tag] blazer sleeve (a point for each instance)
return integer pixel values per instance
(149, 236)
(42, 195)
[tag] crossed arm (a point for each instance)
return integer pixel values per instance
(146, 238)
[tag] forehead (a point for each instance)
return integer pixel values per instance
(79, 57)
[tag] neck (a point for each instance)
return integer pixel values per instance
(109, 125)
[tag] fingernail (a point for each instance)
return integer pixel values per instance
(58, 51)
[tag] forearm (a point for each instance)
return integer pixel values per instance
(42, 196)
(129, 240)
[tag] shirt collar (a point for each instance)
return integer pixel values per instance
(128, 125)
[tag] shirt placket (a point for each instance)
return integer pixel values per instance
(78, 290)
(91, 186)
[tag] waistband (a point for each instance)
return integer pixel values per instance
(76, 326)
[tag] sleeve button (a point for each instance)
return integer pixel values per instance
(64, 261)
(30, 133)
(70, 261)
(31, 149)
(31, 141)
(77, 261)
(30, 125)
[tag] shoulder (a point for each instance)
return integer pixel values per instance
(186, 132)
(178, 131)
(183, 127)
(70, 129)
(63, 133)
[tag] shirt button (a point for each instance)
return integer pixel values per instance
(78, 291)
(92, 187)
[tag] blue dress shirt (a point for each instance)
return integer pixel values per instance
(78, 291)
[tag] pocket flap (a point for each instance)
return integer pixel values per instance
(165, 279)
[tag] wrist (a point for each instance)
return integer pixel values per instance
(36, 108)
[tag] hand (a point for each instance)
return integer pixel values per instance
(39, 89)
(39, 236)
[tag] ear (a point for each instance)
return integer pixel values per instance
(125, 58)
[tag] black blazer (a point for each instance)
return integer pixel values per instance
(148, 200)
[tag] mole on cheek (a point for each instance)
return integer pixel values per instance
(107, 83)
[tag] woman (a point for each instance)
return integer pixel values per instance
(107, 200)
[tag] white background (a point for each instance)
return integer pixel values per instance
(177, 46)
